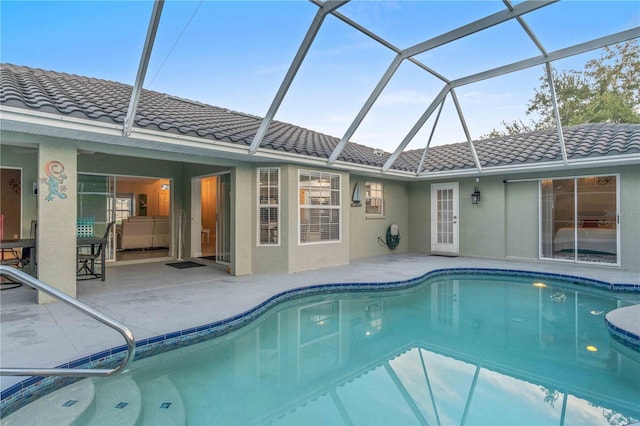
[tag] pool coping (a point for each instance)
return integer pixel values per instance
(22, 393)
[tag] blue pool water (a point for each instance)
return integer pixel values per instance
(481, 350)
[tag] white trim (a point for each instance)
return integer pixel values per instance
(259, 206)
(338, 207)
(575, 260)
(381, 198)
(48, 119)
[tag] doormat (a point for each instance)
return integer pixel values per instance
(184, 265)
(208, 257)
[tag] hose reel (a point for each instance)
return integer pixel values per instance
(392, 237)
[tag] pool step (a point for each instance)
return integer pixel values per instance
(161, 403)
(62, 407)
(118, 401)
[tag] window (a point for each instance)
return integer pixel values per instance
(319, 204)
(124, 207)
(374, 201)
(579, 220)
(268, 206)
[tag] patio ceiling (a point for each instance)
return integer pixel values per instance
(327, 8)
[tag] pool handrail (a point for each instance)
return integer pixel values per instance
(24, 278)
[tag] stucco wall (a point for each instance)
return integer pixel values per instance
(419, 216)
(482, 225)
(242, 196)
(309, 256)
(522, 223)
(57, 198)
(629, 215)
(366, 230)
(506, 224)
(274, 258)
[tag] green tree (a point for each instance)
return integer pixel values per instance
(606, 91)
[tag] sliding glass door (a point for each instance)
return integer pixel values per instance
(96, 195)
(578, 219)
(140, 208)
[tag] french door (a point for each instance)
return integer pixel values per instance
(444, 218)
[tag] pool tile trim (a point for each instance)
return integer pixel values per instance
(623, 336)
(22, 393)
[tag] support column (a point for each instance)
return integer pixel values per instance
(243, 224)
(57, 210)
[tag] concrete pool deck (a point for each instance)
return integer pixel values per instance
(153, 299)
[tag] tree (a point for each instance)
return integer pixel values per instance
(606, 91)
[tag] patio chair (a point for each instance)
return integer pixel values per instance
(28, 261)
(87, 261)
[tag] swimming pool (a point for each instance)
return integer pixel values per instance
(472, 349)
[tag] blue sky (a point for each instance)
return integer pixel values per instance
(234, 54)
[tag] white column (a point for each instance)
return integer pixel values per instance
(57, 209)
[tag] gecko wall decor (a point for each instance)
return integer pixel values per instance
(54, 180)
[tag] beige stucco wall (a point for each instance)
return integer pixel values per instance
(629, 215)
(481, 226)
(304, 257)
(57, 198)
(242, 196)
(420, 216)
(364, 231)
(521, 219)
(274, 258)
(506, 224)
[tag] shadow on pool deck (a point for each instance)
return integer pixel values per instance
(153, 299)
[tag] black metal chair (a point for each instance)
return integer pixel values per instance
(87, 260)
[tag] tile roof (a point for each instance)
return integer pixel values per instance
(107, 101)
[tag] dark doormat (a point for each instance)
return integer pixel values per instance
(208, 257)
(184, 265)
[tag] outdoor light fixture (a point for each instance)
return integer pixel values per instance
(475, 196)
(356, 197)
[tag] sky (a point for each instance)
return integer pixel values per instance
(235, 54)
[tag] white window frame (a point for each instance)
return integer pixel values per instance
(118, 216)
(368, 198)
(337, 207)
(268, 205)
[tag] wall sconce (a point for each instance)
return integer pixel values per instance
(165, 186)
(356, 200)
(475, 196)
